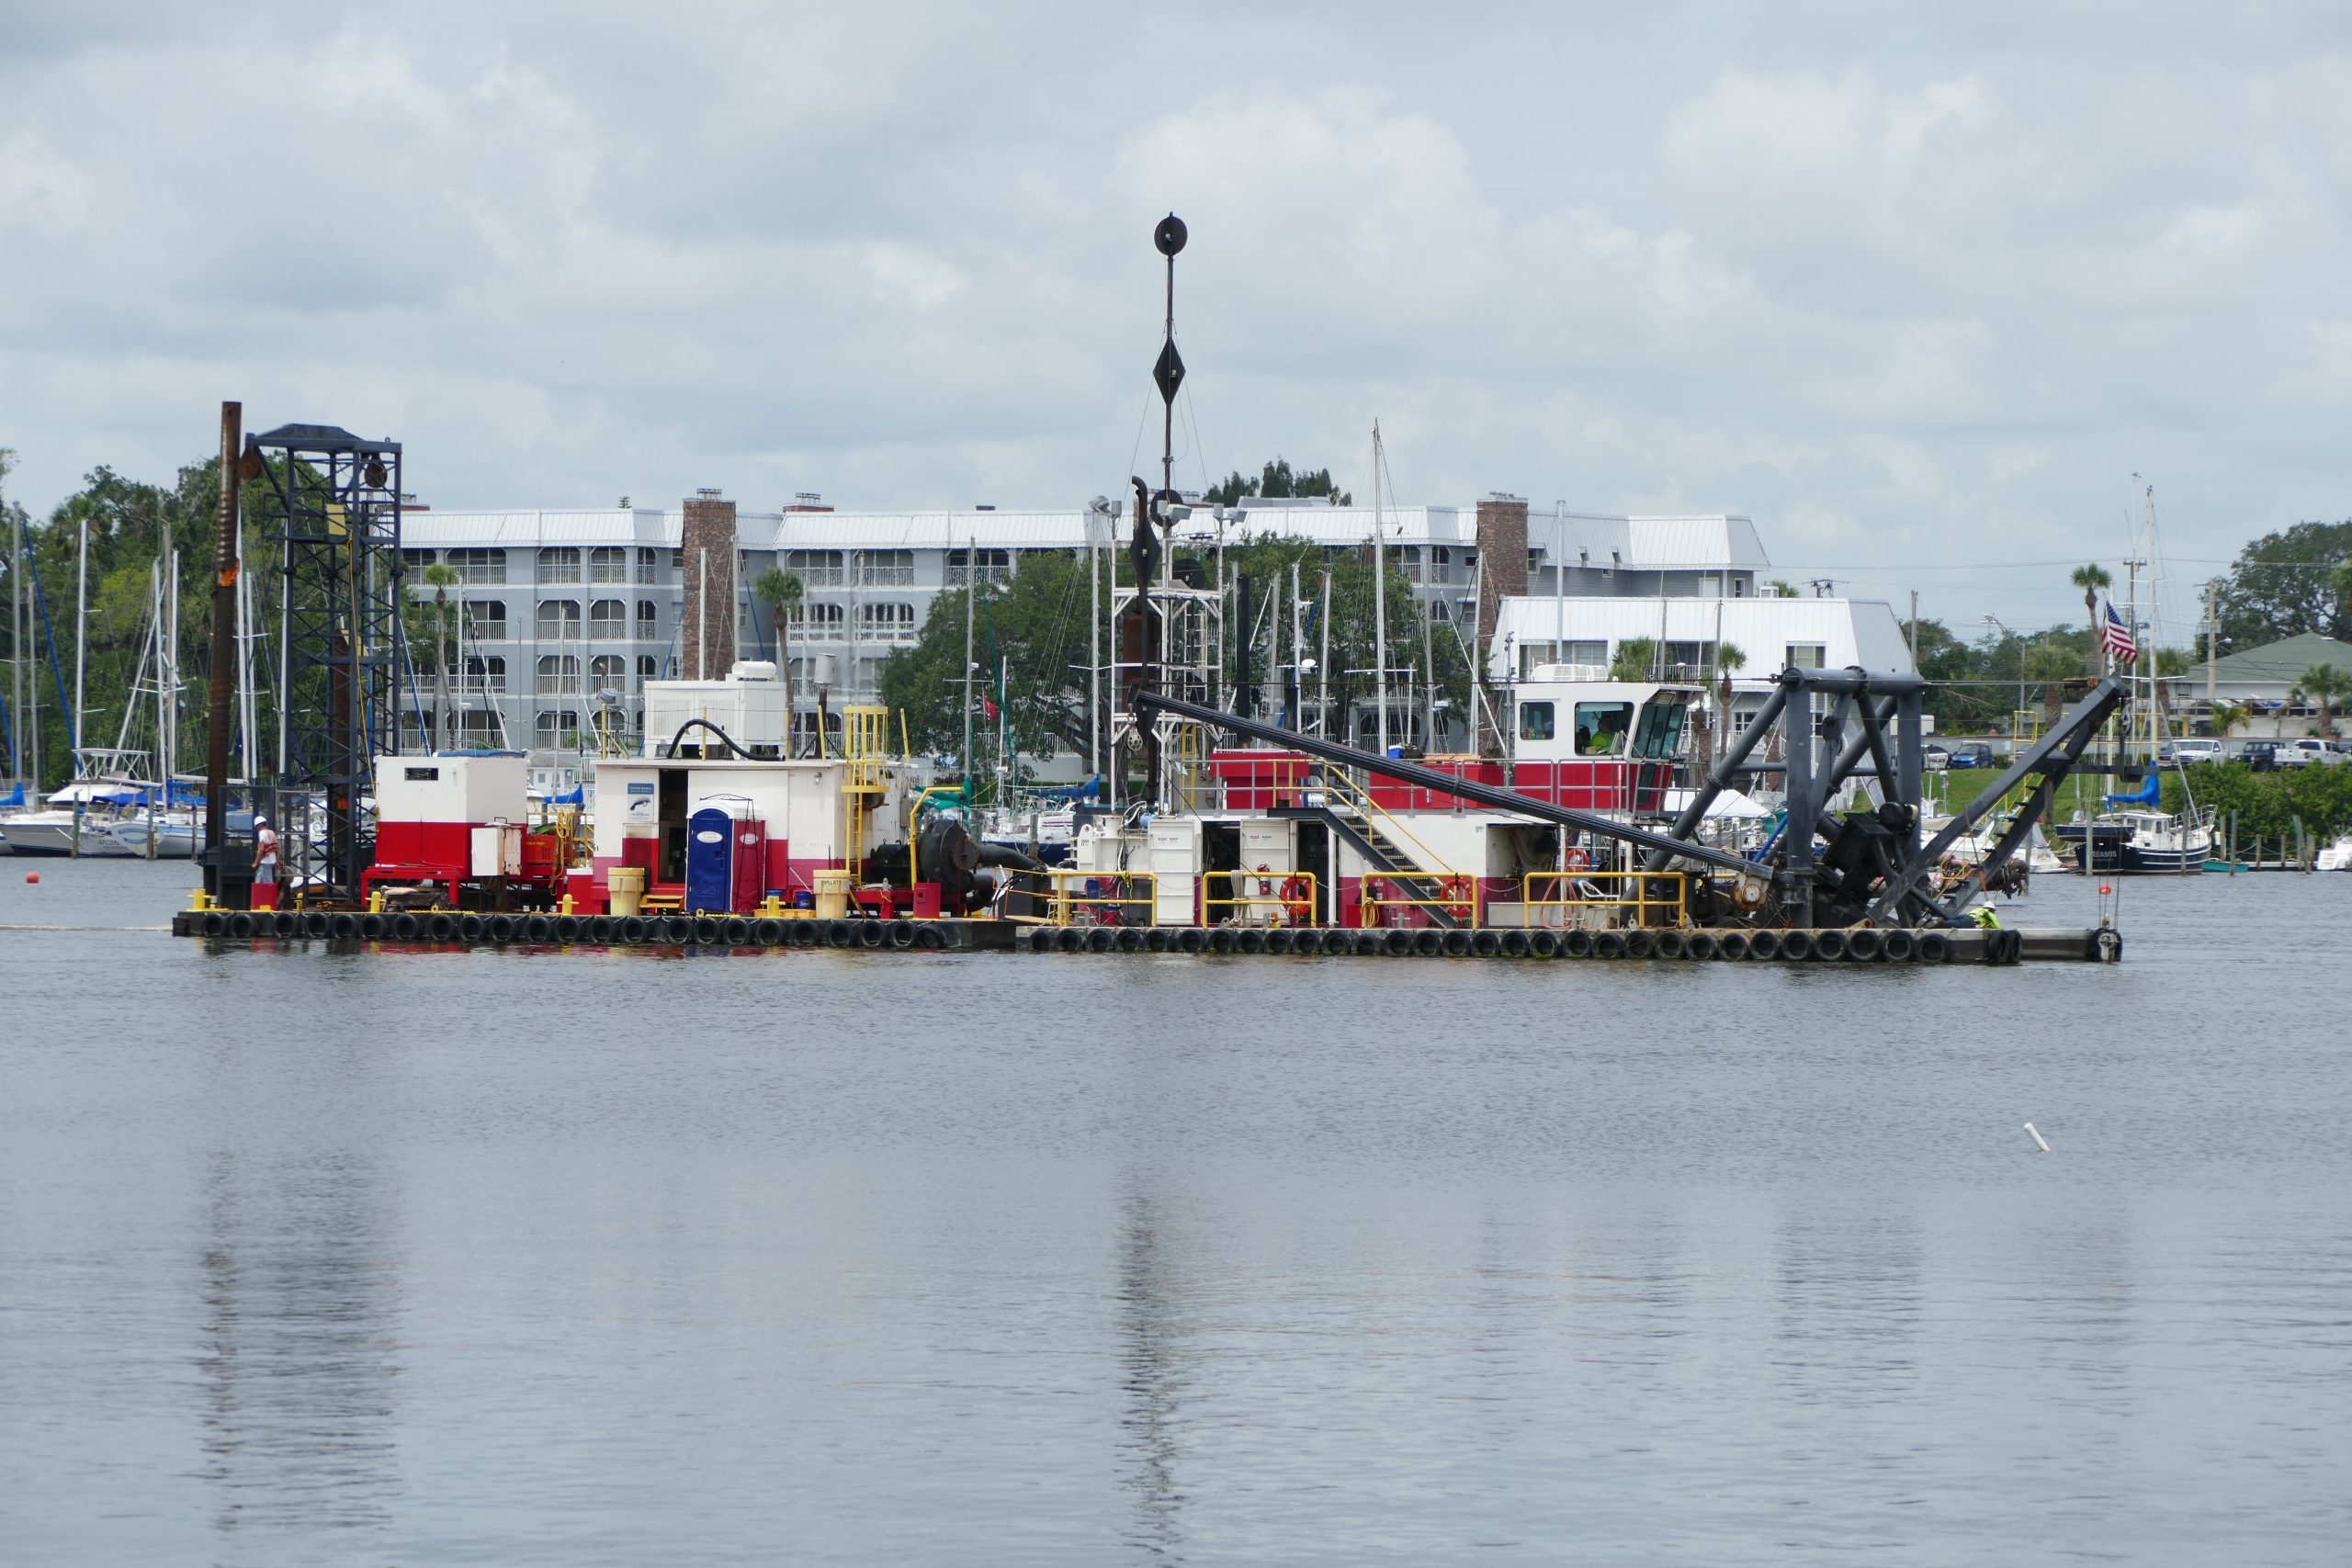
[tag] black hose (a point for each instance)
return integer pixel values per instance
(726, 739)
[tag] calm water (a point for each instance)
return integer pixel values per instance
(320, 1258)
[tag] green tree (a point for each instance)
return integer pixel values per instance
(442, 577)
(2283, 584)
(1278, 481)
(2094, 581)
(2326, 686)
(781, 592)
(2052, 664)
(1633, 659)
(2226, 718)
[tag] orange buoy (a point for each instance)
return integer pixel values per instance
(32, 877)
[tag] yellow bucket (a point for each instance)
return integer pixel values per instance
(627, 885)
(832, 895)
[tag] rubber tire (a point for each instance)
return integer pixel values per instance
(1513, 944)
(629, 929)
(930, 939)
(1672, 944)
(1307, 943)
(1796, 947)
(1864, 945)
(1251, 940)
(767, 932)
(871, 935)
(1399, 941)
(1934, 948)
(837, 933)
(1278, 940)
(1368, 945)
(1543, 944)
(1701, 945)
(1101, 938)
(902, 934)
(1156, 940)
(1830, 946)
(1191, 940)
(212, 922)
(2106, 942)
(345, 925)
(287, 923)
(1608, 944)
(1487, 944)
(470, 928)
(1576, 944)
(1899, 946)
(805, 933)
(317, 924)
(1129, 939)
(1041, 940)
(1222, 939)
(1641, 943)
(1429, 942)
(537, 927)
(241, 924)
(441, 927)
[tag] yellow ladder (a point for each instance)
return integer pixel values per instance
(866, 741)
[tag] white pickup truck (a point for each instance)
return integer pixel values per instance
(2311, 748)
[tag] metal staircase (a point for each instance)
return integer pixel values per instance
(1343, 813)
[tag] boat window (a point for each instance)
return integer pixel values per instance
(1661, 731)
(1535, 721)
(1601, 729)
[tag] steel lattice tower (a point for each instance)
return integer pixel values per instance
(335, 505)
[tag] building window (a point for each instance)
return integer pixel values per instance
(558, 620)
(1408, 562)
(559, 675)
(486, 674)
(982, 566)
(886, 623)
(648, 565)
(485, 620)
(559, 565)
(413, 564)
(479, 565)
(1593, 652)
(1601, 729)
(1807, 655)
(1685, 660)
(884, 568)
(608, 563)
(817, 568)
(646, 667)
(817, 623)
(1535, 721)
(608, 671)
(608, 618)
(555, 727)
(478, 729)
(869, 674)
(649, 618)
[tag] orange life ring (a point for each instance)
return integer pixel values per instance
(1299, 899)
(1458, 895)
(1579, 861)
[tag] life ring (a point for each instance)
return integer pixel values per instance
(1457, 895)
(1299, 899)
(1579, 861)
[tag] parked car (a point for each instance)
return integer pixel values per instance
(2260, 755)
(1974, 754)
(2206, 750)
(1935, 759)
(2307, 750)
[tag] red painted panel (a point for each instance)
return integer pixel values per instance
(751, 883)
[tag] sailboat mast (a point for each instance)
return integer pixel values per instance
(81, 631)
(1379, 598)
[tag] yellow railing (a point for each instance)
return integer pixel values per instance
(1095, 897)
(1264, 897)
(1456, 897)
(1646, 893)
(1359, 798)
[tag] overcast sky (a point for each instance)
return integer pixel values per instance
(1920, 297)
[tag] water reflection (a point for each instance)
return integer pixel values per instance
(297, 1363)
(1151, 1377)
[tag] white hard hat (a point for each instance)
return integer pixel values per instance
(259, 820)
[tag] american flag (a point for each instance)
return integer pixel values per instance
(2117, 638)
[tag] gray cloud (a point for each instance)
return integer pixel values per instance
(1919, 293)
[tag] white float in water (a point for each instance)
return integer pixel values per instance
(2038, 1141)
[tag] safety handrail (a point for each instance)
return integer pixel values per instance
(1567, 895)
(1066, 904)
(1294, 895)
(1459, 898)
(1434, 863)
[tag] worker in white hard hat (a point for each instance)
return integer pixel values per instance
(264, 864)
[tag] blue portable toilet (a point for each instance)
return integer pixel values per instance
(710, 860)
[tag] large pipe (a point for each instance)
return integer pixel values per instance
(224, 658)
(1446, 784)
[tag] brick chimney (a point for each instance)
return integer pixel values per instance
(708, 539)
(1502, 558)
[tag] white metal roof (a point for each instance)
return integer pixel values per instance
(1641, 543)
(1850, 631)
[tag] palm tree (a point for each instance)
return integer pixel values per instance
(2326, 685)
(442, 577)
(1729, 656)
(2094, 581)
(1632, 660)
(2051, 664)
(2226, 716)
(781, 592)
